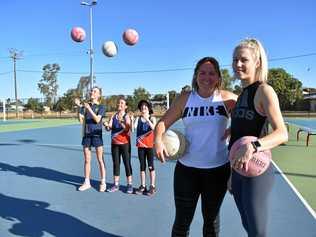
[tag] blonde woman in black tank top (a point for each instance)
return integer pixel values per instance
(257, 104)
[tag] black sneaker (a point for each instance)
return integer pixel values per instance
(152, 190)
(141, 190)
(129, 189)
(113, 189)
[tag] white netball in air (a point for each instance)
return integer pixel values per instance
(175, 143)
(109, 49)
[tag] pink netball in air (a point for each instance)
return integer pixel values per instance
(130, 37)
(78, 34)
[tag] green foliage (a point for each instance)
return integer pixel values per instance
(139, 94)
(111, 102)
(131, 100)
(227, 80)
(186, 88)
(48, 85)
(288, 88)
(66, 102)
(237, 89)
(34, 105)
(172, 96)
(84, 87)
(159, 97)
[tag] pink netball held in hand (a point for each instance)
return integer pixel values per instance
(130, 37)
(78, 34)
(259, 162)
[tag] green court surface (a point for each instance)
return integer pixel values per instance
(298, 163)
(18, 125)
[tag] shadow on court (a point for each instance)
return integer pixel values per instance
(32, 218)
(9, 144)
(67, 148)
(26, 140)
(47, 174)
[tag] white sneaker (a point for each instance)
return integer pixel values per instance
(84, 187)
(102, 187)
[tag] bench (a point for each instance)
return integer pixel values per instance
(309, 133)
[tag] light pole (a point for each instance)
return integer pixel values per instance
(15, 55)
(90, 5)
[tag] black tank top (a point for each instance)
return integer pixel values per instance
(245, 120)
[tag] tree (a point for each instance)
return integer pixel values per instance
(227, 80)
(172, 96)
(159, 97)
(66, 102)
(288, 88)
(48, 84)
(83, 87)
(186, 88)
(131, 103)
(139, 94)
(33, 104)
(111, 102)
(237, 89)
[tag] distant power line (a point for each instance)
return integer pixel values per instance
(153, 70)
(36, 71)
(4, 73)
(291, 57)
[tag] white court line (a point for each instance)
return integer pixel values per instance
(308, 207)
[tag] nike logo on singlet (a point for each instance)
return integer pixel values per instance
(204, 111)
(242, 109)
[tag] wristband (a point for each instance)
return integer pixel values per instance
(255, 145)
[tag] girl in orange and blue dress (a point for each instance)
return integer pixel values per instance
(120, 124)
(144, 126)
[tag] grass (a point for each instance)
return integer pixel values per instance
(298, 163)
(19, 125)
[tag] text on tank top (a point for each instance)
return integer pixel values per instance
(245, 120)
(205, 121)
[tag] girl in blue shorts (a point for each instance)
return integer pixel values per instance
(90, 116)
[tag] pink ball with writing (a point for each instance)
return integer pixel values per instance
(259, 162)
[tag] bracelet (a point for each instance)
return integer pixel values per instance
(254, 147)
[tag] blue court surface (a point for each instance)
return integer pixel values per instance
(41, 169)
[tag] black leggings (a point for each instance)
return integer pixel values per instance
(251, 196)
(189, 185)
(146, 154)
(117, 152)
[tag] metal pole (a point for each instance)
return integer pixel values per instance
(91, 50)
(15, 87)
(4, 110)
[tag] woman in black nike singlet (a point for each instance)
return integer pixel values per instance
(256, 106)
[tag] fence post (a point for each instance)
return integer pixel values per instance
(4, 110)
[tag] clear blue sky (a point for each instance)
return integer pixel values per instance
(174, 34)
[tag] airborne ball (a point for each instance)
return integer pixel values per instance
(109, 49)
(78, 34)
(130, 37)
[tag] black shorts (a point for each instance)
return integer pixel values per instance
(92, 141)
